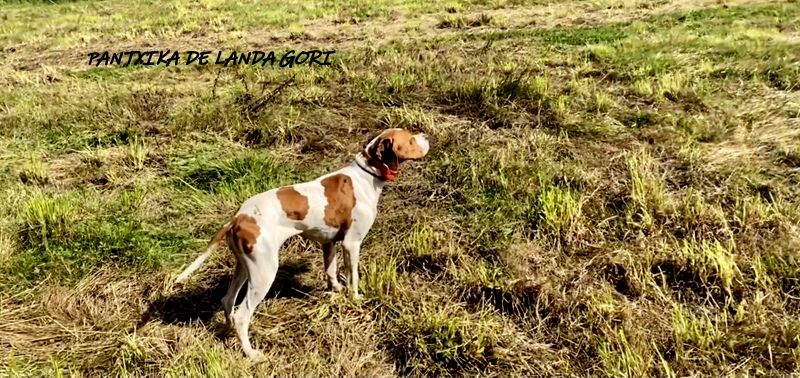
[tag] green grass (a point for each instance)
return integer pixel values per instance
(612, 188)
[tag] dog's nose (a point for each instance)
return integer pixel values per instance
(422, 141)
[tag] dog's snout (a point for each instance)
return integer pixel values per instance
(423, 143)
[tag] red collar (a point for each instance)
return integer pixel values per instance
(386, 174)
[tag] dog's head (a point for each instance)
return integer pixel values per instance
(386, 151)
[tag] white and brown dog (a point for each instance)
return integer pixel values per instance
(339, 206)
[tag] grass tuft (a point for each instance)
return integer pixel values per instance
(649, 198)
(620, 359)
(713, 262)
(48, 220)
(34, 172)
(435, 341)
(560, 209)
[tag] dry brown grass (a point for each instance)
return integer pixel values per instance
(613, 189)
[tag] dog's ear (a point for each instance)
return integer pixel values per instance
(388, 156)
(370, 148)
(382, 151)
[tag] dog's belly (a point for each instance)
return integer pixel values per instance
(321, 234)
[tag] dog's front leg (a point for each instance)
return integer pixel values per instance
(352, 248)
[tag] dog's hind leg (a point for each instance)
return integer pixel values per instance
(229, 300)
(329, 254)
(262, 267)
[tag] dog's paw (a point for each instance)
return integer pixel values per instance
(256, 356)
(335, 286)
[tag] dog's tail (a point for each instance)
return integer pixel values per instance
(198, 262)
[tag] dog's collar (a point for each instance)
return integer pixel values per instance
(388, 174)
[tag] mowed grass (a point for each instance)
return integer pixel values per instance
(613, 187)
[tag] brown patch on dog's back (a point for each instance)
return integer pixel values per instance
(294, 204)
(244, 232)
(341, 201)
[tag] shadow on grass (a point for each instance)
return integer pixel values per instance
(200, 302)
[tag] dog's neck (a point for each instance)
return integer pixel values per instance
(368, 175)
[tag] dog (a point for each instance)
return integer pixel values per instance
(339, 206)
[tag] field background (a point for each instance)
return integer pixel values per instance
(612, 189)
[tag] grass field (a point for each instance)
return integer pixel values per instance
(613, 187)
